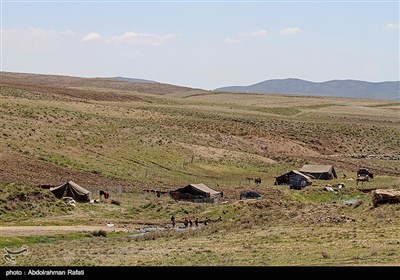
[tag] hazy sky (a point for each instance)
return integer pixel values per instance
(204, 44)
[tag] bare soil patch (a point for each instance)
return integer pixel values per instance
(16, 168)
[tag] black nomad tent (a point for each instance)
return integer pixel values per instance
(73, 190)
(196, 192)
(320, 172)
(294, 175)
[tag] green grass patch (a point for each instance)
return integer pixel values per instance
(38, 239)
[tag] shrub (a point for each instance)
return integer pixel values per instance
(325, 255)
(100, 232)
(116, 202)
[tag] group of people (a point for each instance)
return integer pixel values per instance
(186, 222)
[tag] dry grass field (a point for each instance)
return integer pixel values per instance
(124, 137)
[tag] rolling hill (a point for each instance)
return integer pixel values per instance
(74, 84)
(339, 88)
(133, 80)
(130, 139)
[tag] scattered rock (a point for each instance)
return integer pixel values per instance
(353, 202)
(381, 157)
(382, 196)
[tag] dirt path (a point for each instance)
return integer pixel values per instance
(49, 230)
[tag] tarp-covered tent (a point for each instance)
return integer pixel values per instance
(73, 190)
(321, 172)
(291, 176)
(196, 192)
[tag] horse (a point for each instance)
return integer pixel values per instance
(249, 179)
(362, 179)
(256, 180)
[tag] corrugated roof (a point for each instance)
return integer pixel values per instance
(316, 168)
(204, 188)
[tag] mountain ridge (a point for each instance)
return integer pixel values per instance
(338, 88)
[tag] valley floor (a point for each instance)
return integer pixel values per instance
(123, 137)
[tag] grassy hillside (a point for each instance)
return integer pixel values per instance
(124, 137)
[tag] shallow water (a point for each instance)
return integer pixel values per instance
(147, 230)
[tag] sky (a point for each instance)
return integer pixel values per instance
(203, 44)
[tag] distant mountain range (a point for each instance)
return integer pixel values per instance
(339, 88)
(133, 80)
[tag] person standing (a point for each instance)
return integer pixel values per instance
(186, 222)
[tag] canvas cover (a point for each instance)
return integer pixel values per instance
(294, 175)
(199, 189)
(73, 190)
(322, 172)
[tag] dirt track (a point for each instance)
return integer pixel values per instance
(49, 230)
